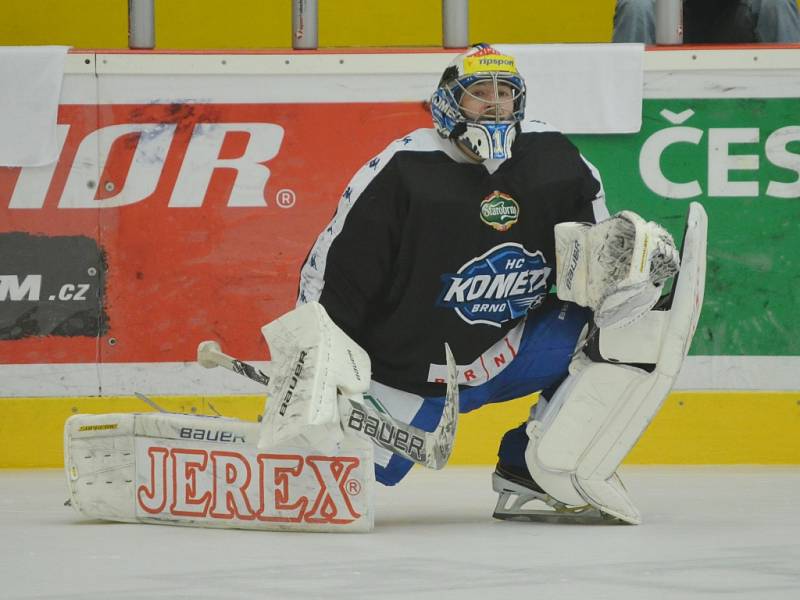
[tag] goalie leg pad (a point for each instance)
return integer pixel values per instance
(597, 415)
(173, 469)
(586, 416)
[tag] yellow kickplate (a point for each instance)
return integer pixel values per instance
(691, 428)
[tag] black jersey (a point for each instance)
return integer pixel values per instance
(427, 247)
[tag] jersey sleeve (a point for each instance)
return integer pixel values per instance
(351, 262)
(593, 195)
(589, 200)
(586, 200)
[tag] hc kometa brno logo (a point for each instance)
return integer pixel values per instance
(500, 285)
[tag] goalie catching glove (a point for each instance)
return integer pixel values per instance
(616, 268)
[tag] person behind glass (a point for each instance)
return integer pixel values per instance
(713, 21)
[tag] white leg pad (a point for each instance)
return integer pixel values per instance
(585, 416)
(601, 410)
(173, 469)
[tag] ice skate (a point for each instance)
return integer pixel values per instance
(516, 489)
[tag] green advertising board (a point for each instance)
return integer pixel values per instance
(741, 159)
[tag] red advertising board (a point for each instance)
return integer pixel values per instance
(201, 215)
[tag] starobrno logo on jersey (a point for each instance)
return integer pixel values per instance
(500, 285)
(500, 211)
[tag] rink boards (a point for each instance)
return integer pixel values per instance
(190, 186)
(692, 427)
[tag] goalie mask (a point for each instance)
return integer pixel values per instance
(479, 102)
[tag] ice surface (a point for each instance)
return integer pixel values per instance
(708, 532)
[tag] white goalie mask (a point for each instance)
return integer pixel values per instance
(479, 102)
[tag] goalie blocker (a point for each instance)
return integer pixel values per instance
(174, 469)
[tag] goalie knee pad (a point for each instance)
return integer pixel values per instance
(579, 439)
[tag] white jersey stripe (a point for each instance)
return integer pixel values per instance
(599, 202)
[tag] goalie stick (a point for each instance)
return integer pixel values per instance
(428, 448)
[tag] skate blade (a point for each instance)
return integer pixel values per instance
(513, 497)
(590, 516)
